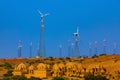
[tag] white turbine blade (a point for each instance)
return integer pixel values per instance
(39, 12)
(46, 14)
(77, 30)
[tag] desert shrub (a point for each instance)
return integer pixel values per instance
(94, 56)
(18, 78)
(90, 76)
(5, 78)
(1, 65)
(103, 54)
(58, 78)
(33, 78)
(8, 66)
(85, 56)
(8, 74)
(51, 58)
(61, 59)
(100, 77)
(67, 57)
(81, 60)
(30, 63)
(37, 61)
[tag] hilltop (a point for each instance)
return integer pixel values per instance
(111, 63)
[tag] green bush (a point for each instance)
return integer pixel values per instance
(67, 57)
(33, 78)
(37, 61)
(104, 54)
(18, 78)
(100, 77)
(5, 78)
(58, 78)
(94, 56)
(8, 66)
(90, 76)
(8, 74)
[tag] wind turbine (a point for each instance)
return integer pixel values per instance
(90, 49)
(30, 49)
(19, 48)
(60, 49)
(42, 15)
(72, 49)
(42, 41)
(69, 48)
(115, 48)
(76, 34)
(104, 45)
(96, 47)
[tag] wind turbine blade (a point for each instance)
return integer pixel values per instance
(46, 14)
(78, 30)
(39, 12)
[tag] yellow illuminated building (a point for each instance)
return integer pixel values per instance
(40, 71)
(20, 69)
(69, 69)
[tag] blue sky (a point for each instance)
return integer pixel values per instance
(97, 20)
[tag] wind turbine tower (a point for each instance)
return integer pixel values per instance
(72, 49)
(104, 45)
(42, 51)
(115, 47)
(69, 48)
(90, 49)
(60, 50)
(19, 48)
(38, 50)
(96, 47)
(30, 49)
(76, 34)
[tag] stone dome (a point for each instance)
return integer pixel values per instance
(41, 66)
(21, 66)
(69, 64)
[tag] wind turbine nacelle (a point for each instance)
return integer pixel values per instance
(75, 34)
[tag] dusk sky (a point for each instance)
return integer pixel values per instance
(97, 20)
